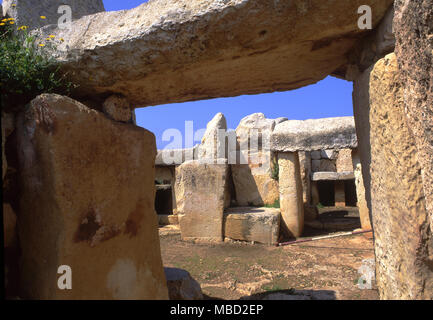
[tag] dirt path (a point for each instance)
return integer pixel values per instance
(325, 269)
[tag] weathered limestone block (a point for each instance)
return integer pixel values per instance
(253, 190)
(391, 171)
(370, 49)
(414, 50)
(29, 12)
(164, 175)
(200, 189)
(334, 176)
(181, 50)
(171, 157)
(329, 154)
(364, 213)
(166, 220)
(291, 202)
(252, 224)
(315, 198)
(305, 165)
(117, 108)
(327, 165)
(253, 182)
(314, 134)
(344, 160)
(213, 143)
(181, 286)
(9, 225)
(87, 202)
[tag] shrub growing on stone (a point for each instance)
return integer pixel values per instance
(26, 70)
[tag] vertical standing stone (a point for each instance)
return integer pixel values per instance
(252, 178)
(291, 198)
(315, 199)
(340, 196)
(364, 213)
(200, 197)
(344, 160)
(392, 177)
(87, 202)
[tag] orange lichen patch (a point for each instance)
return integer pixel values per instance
(92, 230)
(134, 219)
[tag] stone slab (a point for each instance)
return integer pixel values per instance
(260, 225)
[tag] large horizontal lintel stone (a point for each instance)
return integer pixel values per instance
(314, 134)
(171, 157)
(29, 13)
(169, 51)
(335, 176)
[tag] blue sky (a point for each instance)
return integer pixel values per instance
(330, 97)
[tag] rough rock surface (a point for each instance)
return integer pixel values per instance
(200, 199)
(414, 50)
(323, 165)
(181, 286)
(344, 160)
(87, 202)
(364, 212)
(372, 48)
(253, 182)
(29, 13)
(166, 220)
(252, 224)
(213, 143)
(171, 157)
(401, 223)
(117, 108)
(314, 134)
(181, 50)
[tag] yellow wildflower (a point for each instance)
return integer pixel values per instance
(12, 22)
(14, 5)
(2, 24)
(41, 45)
(23, 28)
(4, 20)
(52, 36)
(61, 39)
(43, 17)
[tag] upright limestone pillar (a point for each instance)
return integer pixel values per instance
(291, 198)
(364, 212)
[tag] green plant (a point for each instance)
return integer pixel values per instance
(275, 170)
(272, 287)
(320, 206)
(276, 204)
(26, 67)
